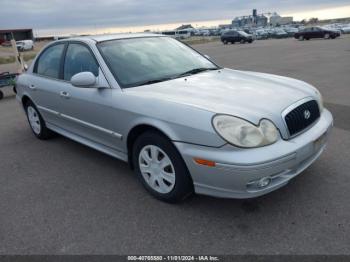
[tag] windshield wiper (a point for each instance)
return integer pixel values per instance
(153, 81)
(195, 71)
(187, 73)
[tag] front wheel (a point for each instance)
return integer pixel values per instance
(161, 168)
(326, 36)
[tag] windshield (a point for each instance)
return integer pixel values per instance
(139, 61)
(243, 33)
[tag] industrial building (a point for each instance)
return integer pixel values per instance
(250, 20)
(276, 20)
(17, 34)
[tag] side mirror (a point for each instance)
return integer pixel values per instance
(83, 79)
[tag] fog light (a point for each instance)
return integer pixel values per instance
(263, 182)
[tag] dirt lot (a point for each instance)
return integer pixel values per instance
(64, 198)
(7, 53)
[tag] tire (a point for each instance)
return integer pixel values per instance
(1, 95)
(242, 41)
(36, 122)
(301, 38)
(326, 36)
(225, 42)
(173, 187)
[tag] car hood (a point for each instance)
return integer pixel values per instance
(249, 95)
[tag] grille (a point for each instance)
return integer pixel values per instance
(302, 116)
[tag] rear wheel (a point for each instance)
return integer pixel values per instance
(161, 168)
(36, 122)
(327, 36)
(242, 41)
(225, 42)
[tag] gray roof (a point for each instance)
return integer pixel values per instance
(107, 37)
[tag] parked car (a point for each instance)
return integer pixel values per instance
(234, 36)
(183, 123)
(279, 33)
(290, 31)
(345, 30)
(25, 45)
(261, 34)
(170, 33)
(183, 34)
(316, 32)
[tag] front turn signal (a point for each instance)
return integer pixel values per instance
(204, 162)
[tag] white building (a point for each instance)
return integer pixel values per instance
(276, 19)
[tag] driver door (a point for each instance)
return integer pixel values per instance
(87, 111)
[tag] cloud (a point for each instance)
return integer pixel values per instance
(48, 14)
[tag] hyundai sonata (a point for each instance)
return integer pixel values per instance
(183, 123)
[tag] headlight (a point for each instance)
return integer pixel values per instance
(242, 133)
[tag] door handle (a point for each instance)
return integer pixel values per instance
(32, 87)
(64, 94)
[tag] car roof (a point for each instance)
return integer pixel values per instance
(108, 37)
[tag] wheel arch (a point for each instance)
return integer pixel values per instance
(25, 99)
(138, 130)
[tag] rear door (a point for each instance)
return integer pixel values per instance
(321, 32)
(313, 32)
(46, 83)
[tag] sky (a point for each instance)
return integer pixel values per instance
(62, 17)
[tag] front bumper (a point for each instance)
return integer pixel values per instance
(237, 170)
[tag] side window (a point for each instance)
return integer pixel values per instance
(79, 59)
(49, 61)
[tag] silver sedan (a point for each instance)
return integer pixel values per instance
(182, 122)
